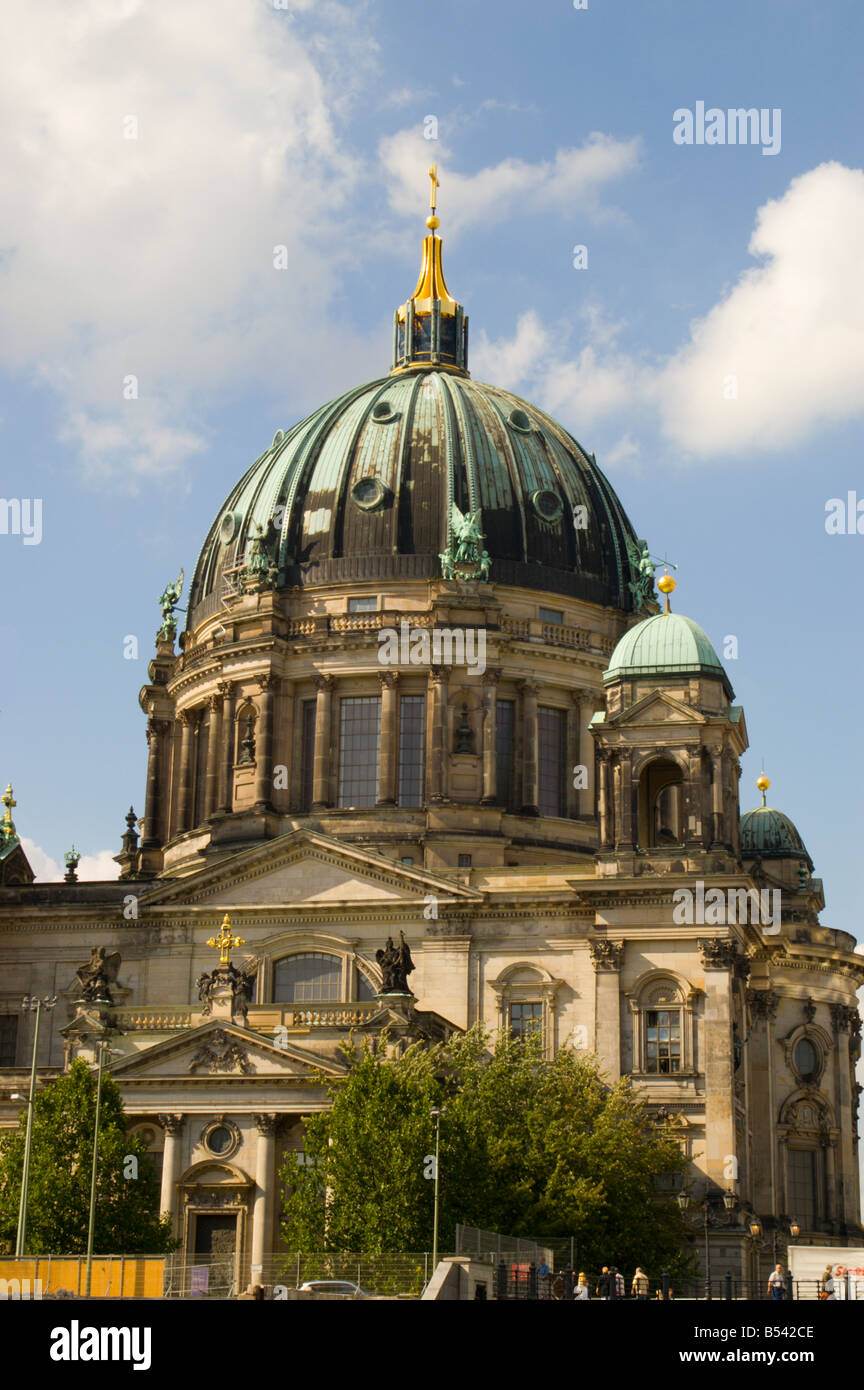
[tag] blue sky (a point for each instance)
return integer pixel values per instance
(257, 127)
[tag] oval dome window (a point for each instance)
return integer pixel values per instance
(382, 411)
(548, 505)
(368, 493)
(520, 421)
(228, 528)
(807, 1060)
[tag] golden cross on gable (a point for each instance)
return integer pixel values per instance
(433, 192)
(224, 941)
(8, 801)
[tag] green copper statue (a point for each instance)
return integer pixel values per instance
(168, 601)
(465, 557)
(642, 584)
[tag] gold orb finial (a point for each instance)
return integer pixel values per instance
(763, 783)
(432, 222)
(667, 585)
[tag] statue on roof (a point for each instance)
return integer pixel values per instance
(260, 572)
(465, 557)
(168, 601)
(641, 585)
(396, 965)
(97, 975)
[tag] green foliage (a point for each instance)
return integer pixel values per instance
(58, 1206)
(529, 1146)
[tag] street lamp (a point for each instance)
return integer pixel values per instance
(103, 1049)
(711, 1217)
(30, 1004)
(436, 1116)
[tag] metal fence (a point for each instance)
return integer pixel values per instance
(492, 1246)
(223, 1276)
(521, 1280)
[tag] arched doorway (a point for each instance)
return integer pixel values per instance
(661, 820)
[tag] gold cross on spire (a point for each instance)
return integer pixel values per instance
(8, 801)
(224, 941)
(432, 220)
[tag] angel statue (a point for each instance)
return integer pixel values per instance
(168, 601)
(465, 557)
(642, 568)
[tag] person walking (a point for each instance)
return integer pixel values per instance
(581, 1289)
(544, 1280)
(826, 1289)
(619, 1283)
(776, 1283)
(640, 1286)
(605, 1285)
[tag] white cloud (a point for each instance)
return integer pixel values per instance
(789, 336)
(573, 174)
(154, 256)
(44, 867)
(92, 868)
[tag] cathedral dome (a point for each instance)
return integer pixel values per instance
(665, 644)
(770, 834)
(367, 486)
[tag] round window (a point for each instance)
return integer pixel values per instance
(382, 411)
(368, 493)
(219, 1139)
(548, 505)
(520, 421)
(148, 1136)
(806, 1060)
(228, 528)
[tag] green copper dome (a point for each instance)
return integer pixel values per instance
(666, 644)
(769, 834)
(364, 488)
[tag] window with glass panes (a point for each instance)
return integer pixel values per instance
(505, 726)
(551, 755)
(663, 1041)
(307, 754)
(412, 749)
(309, 978)
(8, 1039)
(525, 1018)
(804, 1187)
(359, 741)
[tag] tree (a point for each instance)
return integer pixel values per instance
(529, 1146)
(58, 1204)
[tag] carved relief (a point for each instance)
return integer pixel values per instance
(607, 955)
(221, 1053)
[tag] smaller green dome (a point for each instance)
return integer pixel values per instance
(769, 834)
(667, 644)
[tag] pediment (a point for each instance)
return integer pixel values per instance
(305, 867)
(222, 1050)
(658, 708)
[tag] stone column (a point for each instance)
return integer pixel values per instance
(530, 792)
(264, 744)
(490, 738)
(607, 957)
(321, 765)
(388, 764)
(718, 828)
(574, 733)
(718, 960)
(186, 719)
(214, 753)
(228, 691)
(262, 1235)
(283, 746)
(624, 800)
(763, 1010)
(604, 806)
(156, 730)
(172, 1125)
(588, 753)
(438, 750)
(842, 1016)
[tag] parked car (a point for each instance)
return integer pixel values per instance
(343, 1287)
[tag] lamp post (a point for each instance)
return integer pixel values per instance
(436, 1116)
(782, 1225)
(103, 1049)
(31, 1005)
(710, 1217)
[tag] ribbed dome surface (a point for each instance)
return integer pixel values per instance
(362, 489)
(768, 833)
(667, 643)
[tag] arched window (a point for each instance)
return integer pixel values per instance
(309, 978)
(663, 1031)
(660, 818)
